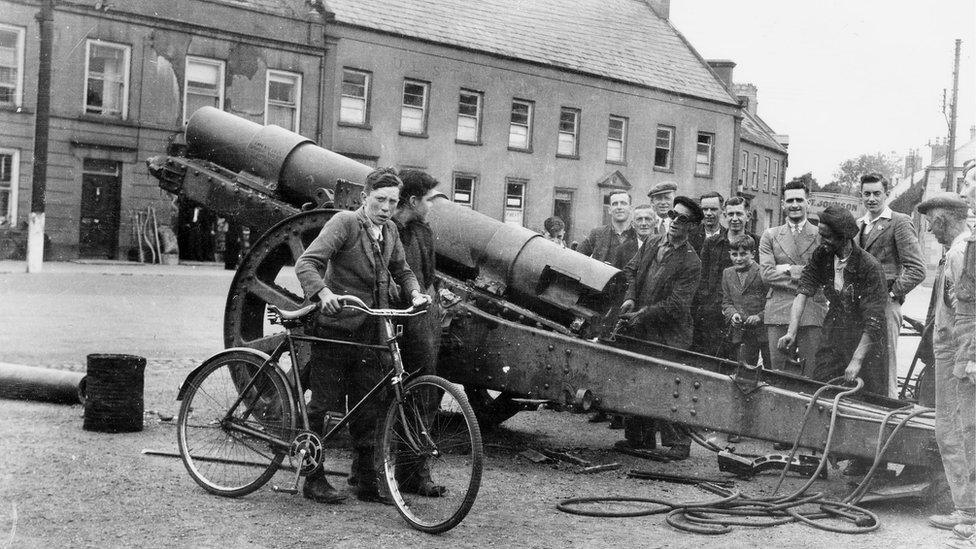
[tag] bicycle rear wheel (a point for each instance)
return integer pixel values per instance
(432, 436)
(224, 461)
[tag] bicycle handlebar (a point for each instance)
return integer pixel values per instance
(356, 304)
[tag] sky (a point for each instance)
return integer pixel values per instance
(843, 78)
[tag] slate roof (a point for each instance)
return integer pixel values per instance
(622, 40)
(757, 132)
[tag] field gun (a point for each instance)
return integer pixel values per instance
(530, 324)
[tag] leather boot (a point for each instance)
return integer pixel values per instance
(367, 484)
(414, 478)
(317, 488)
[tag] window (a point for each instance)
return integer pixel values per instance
(765, 174)
(106, 88)
(283, 99)
(703, 155)
(520, 126)
(617, 140)
(743, 170)
(663, 147)
(464, 189)
(568, 132)
(469, 116)
(9, 163)
(354, 102)
(754, 172)
(776, 182)
(11, 66)
(413, 114)
(515, 202)
(204, 86)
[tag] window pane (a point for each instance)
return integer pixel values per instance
(467, 128)
(202, 75)
(468, 104)
(412, 120)
(518, 137)
(567, 121)
(413, 94)
(520, 113)
(567, 144)
(352, 110)
(616, 128)
(614, 151)
(281, 91)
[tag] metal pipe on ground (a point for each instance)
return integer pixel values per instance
(41, 384)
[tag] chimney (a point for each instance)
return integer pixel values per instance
(723, 69)
(661, 7)
(972, 132)
(748, 94)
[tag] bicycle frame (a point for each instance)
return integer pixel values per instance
(394, 377)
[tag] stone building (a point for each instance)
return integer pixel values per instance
(522, 110)
(124, 75)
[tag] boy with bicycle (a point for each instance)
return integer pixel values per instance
(357, 253)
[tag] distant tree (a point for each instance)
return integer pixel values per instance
(849, 173)
(808, 180)
(835, 187)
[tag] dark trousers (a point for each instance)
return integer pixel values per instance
(748, 344)
(338, 371)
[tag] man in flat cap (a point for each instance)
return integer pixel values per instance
(853, 343)
(955, 361)
(662, 278)
(662, 198)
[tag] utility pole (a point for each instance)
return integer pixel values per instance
(35, 231)
(950, 177)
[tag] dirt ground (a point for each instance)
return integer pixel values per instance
(61, 486)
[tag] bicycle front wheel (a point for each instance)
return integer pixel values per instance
(432, 454)
(221, 459)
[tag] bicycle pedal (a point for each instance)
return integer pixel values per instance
(281, 489)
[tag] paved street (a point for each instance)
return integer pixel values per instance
(62, 486)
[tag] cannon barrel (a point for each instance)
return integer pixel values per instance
(505, 260)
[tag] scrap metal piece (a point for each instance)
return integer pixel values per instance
(565, 456)
(598, 468)
(751, 465)
(679, 479)
(535, 457)
(652, 455)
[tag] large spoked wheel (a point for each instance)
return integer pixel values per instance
(222, 460)
(433, 436)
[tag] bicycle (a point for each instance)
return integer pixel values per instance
(241, 415)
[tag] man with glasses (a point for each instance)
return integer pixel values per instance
(783, 252)
(662, 278)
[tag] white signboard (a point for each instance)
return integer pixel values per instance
(819, 201)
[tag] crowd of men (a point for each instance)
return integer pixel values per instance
(821, 300)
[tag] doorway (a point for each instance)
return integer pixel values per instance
(101, 190)
(562, 207)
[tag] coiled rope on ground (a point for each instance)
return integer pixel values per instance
(735, 509)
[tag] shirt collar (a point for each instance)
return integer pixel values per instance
(798, 226)
(885, 214)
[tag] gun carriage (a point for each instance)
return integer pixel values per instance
(531, 320)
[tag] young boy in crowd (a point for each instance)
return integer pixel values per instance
(743, 300)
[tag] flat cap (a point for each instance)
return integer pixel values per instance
(949, 201)
(696, 212)
(840, 221)
(666, 187)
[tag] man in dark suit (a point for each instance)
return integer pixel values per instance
(662, 280)
(711, 204)
(707, 306)
(890, 237)
(357, 253)
(603, 243)
(783, 252)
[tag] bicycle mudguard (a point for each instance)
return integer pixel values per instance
(258, 354)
